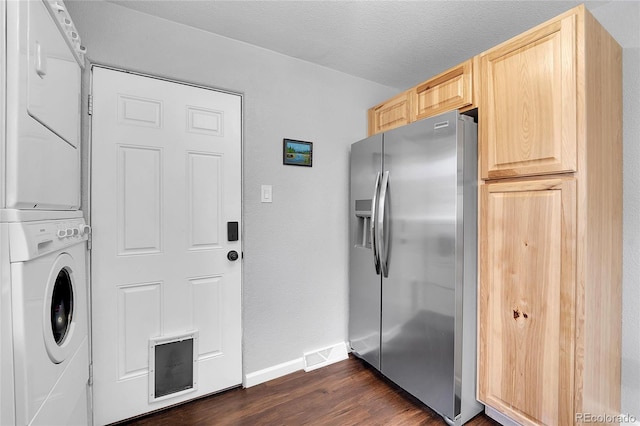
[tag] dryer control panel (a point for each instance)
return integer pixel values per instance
(61, 16)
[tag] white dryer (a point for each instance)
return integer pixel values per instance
(44, 61)
(47, 266)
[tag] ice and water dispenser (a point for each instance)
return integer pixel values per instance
(363, 223)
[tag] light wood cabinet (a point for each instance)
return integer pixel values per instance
(455, 88)
(528, 102)
(550, 145)
(390, 114)
(527, 306)
(452, 89)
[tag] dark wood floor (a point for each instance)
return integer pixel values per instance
(346, 393)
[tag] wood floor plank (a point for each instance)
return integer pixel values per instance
(345, 393)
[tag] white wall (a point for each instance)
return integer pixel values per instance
(622, 20)
(295, 264)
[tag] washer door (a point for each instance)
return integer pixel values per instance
(59, 321)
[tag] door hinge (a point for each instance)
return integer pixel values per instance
(90, 383)
(90, 105)
(89, 242)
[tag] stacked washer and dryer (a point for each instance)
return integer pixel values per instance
(44, 350)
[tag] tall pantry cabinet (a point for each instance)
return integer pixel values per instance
(550, 120)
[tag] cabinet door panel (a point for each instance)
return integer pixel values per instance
(528, 119)
(527, 281)
(390, 114)
(452, 89)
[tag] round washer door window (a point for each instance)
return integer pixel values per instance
(59, 319)
(61, 306)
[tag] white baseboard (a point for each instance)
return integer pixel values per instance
(309, 361)
(273, 372)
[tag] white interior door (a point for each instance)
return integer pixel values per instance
(165, 180)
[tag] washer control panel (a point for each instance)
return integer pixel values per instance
(73, 231)
(29, 240)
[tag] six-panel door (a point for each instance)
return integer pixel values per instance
(526, 306)
(165, 180)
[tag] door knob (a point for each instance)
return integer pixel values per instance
(232, 255)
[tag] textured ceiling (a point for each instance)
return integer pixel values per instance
(395, 43)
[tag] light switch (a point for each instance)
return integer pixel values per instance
(266, 196)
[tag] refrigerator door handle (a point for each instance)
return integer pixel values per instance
(383, 249)
(373, 228)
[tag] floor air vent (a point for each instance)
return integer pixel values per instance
(326, 356)
(173, 366)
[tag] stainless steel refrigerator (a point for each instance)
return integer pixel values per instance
(413, 239)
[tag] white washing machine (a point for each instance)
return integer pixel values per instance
(43, 60)
(48, 316)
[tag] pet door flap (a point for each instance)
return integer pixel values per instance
(173, 365)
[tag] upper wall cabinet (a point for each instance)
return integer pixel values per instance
(455, 88)
(528, 103)
(390, 114)
(452, 89)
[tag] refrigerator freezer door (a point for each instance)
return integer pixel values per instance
(364, 281)
(418, 297)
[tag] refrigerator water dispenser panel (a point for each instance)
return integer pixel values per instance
(363, 227)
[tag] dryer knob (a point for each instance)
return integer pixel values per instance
(62, 233)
